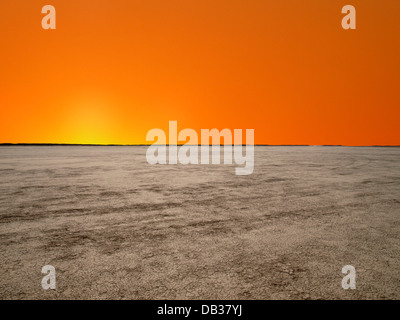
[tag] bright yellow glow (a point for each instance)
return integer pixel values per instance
(90, 121)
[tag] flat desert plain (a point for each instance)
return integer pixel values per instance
(115, 227)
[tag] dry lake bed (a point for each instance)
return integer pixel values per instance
(115, 227)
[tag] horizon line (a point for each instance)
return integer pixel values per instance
(178, 145)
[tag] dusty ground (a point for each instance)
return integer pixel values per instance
(115, 227)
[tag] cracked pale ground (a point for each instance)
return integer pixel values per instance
(115, 227)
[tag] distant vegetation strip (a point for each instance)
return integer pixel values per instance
(146, 145)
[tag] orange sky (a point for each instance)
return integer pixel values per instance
(114, 69)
